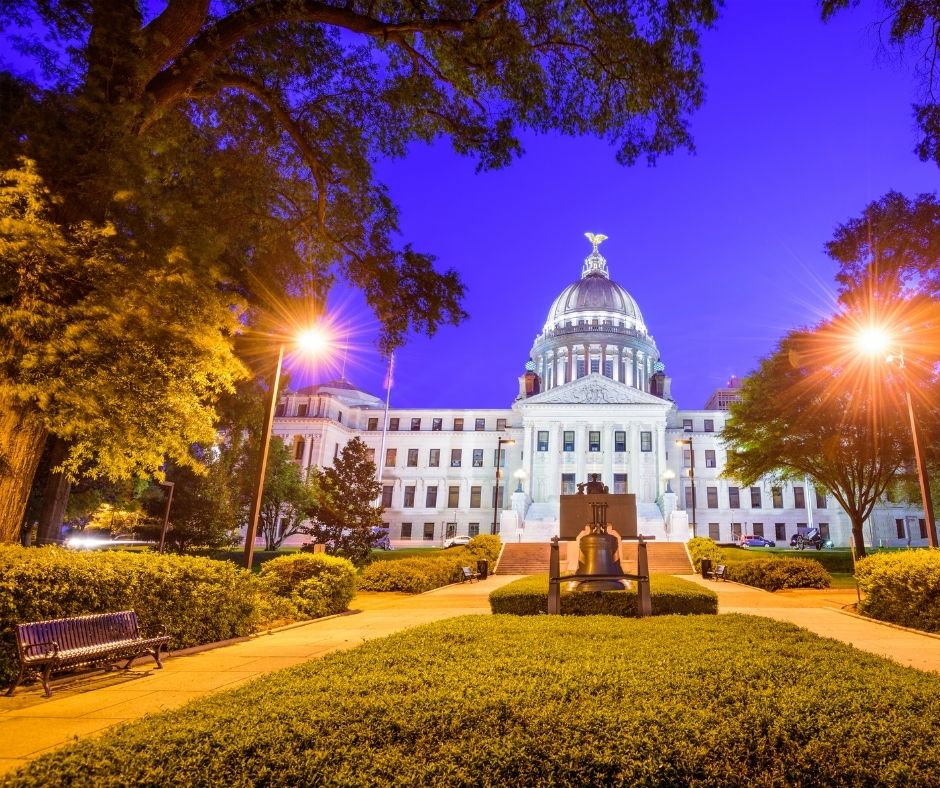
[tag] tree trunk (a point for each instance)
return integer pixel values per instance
(55, 496)
(857, 524)
(21, 441)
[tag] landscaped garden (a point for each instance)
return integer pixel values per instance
(509, 700)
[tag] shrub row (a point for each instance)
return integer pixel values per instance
(579, 701)
(772, 574)
(529, 597)
(419, 574)
(902, 587)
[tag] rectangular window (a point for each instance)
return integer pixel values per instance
(820, 498)
(824, 531)
(620, 483)
(436, 425)
(406, 530)
(899, 525)
(709, 425)
(393, 425)
(458, 425)
(923, 528)
(474, 529)
(594, 440)
(498, 497)
(734, 498)
(390, 455)
(434, 458)
(475, 497)
(279, 411)
(370, 455)
(714, 531)
(453, 497)
(430, 497)
(620, 440)
(799, 499)
(412, 458)
(299, 449)
(409, 501)
(735, 531)
(455, 458)
(568, 440)
(501, 460)
(479, 425)
(428, 531)
(478, 458)
(450, 530)
(568, 484)
(777, 494)
(687, 425)
(415, 425)
(500, 425)
(373, 425)
(709, 458)
(686, 458)
(542, 441)
(608, 368)
(387, 496)
(646, 441)
(688, 497)
(580, 368)
(302, 410)
(595, 365)
(780, 532)
(758, 529)
(755, 498)
(712, 493)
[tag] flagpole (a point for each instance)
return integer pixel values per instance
(388, 396)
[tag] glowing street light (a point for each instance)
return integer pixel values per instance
(876, 341)
(313, 341)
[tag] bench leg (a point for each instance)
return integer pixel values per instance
(15, 684)
(156, 657)
(45, 679)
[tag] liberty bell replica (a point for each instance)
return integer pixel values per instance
(598, 555)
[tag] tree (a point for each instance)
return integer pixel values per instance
(228, 153)
(817, 408)
(913, 25)
(286, 500)
(343, 514)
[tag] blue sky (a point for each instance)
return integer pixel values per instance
(803, 125)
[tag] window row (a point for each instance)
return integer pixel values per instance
(430, 497)
(434, 458)
(776, 494)
(901, 527)
(394, 424)
(688, 425)
(757, 529)
(594, 442)
(569, 484)
(428, 532)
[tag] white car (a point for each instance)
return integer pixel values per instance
(457, 541)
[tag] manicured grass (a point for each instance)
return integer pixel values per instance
(842, 580)
(406, 552)
(549, 700)
(833, 560)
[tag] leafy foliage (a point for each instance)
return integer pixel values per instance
(528, 596)
(702, 547)
(286, 500)
(902, 587)
(317, 585)
(579, 701)
(773, 574)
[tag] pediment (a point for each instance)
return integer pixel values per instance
(595, 389)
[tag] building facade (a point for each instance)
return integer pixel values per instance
(594, 403)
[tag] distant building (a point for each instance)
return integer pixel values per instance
(594, 403)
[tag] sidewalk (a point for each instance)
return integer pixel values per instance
(30, 724)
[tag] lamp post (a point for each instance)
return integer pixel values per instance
(311, 341)
(499, 453)
(166, 514)
(688, 442)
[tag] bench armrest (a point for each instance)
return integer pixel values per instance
(30, 646)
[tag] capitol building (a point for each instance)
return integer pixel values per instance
(594, 403)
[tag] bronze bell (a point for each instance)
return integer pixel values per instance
(597, 558)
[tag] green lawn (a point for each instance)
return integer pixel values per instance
(405, 552)
(543, 700)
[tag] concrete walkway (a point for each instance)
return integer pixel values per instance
(30, 724)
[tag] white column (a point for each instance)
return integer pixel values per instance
(607, 446)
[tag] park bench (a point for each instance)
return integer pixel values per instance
(718, 573)
(104, 638)
(469, 574)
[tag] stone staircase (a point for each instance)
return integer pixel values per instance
(528, 558)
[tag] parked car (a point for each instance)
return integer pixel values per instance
(756, 541)
(457, 541)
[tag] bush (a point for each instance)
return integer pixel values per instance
(415, 575)
(702, 547)
(197, 600)
(315, 583)
(529, 596)
(485, 546)
(579, 701)
(902, 587)
(772, 574)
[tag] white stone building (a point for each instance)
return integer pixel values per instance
(594, 403)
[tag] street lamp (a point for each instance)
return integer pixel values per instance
(499, 453)
(688, 442)
(876, 341)
(310, 341)
(520, 477)
(669, 475)
(166, 513)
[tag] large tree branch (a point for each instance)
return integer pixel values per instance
(168, 34)
(194, 62)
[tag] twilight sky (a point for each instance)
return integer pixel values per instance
(803, 125)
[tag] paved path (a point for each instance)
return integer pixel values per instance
(30, 724)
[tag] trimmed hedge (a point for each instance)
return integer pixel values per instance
(315, 583)
(198, 600)
(417, 575)
(772, 574)
(902, 587)
(702, 547)
(528, 596)
(567, 701)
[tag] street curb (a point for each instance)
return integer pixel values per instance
(849, 613)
